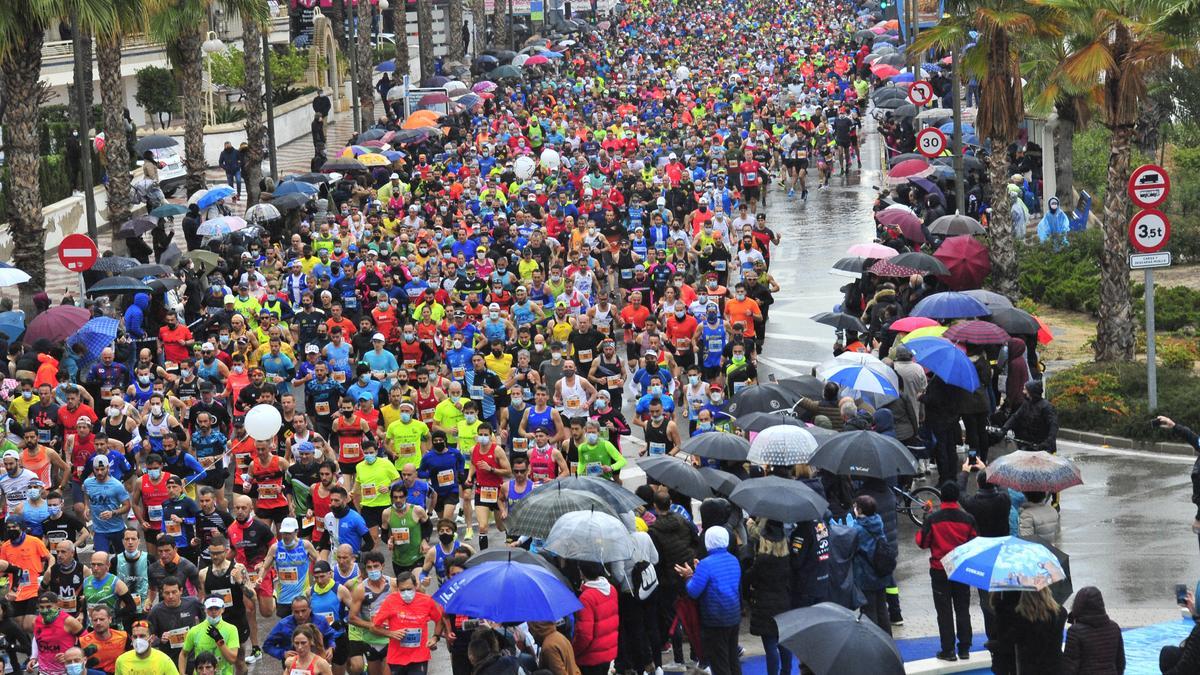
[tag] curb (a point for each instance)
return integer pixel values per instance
(1164, 447)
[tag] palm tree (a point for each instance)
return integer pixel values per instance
(128, 18)
(366, 89)
(479, 17)
(500, 25)
(1003, 25)
(181, 25)
(1057, 94)
(400, 26)
(454, 35)
(425, 38)
(1120, 44)
(256, 130)
(22, 26)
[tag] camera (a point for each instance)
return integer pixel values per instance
(1155, 422)
(1181, 594)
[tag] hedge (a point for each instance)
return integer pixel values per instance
(1110, 398)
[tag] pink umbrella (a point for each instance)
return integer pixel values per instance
(872, 250)
(909, 168)
(387, 138)
(483, 86)
(897, 217)
(878, 30)
(885, 268)
(910, 323)
(884, 71)
(536, 60)
(375, 144)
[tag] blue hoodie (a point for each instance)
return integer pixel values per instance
(870, 534)
(135, 314)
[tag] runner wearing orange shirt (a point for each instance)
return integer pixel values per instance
(743, 310)
(406, 614)
(27, 559)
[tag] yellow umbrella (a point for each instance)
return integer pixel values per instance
(927, 331)
(371, 159)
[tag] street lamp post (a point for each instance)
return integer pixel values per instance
(269, 92)
(212, 45)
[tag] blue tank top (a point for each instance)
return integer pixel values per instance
(440, 556)
(327, 606)
(514, 424)
(210, 372)
(495, 331)
(714, 344)
(142, 395)
(291, 572)
(35, 516)
(514, 496)
(344, 580)
(540, 420)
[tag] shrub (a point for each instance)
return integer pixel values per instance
(1175, 307)
(156, 93)
(1064, 277)
(1110, 398)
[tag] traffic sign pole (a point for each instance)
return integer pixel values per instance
(1151, 366)
(1149, 231)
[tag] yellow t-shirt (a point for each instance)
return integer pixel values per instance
(447, 416)
(154, 663)
(406, 440)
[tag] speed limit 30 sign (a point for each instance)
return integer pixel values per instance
(931, 142)
(1149, 231)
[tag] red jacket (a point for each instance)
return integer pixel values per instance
(595, 640)
(945, 529)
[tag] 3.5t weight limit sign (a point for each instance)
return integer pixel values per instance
(931, 142)
(920, 93)
(1149, 231)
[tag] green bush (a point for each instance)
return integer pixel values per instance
(226, 114)
(1091, 153)
(156, 93)
(1110, 398)
(1175, 307)
(1064, 277)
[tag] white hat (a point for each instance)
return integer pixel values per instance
(98, 462)
(13, 454)
(289, 525)
(213, 602)
(394, 176)
(208, 347)
(377, 336)
(312, 349)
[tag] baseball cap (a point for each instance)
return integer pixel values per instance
(312, 349)
(213, 602)
(377, 336)
(322, 567)
(305, 447)
(394, 176)
(13, 454)
(230, 299)
(288, 525)
(98, 462)
(208, 347)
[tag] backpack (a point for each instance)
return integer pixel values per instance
(883, 560)
(643, 579)
(843, 546)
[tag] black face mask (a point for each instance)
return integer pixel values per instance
(439, 445)
(341, 511)
(347, 413)
(446, 538)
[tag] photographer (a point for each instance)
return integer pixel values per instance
(1193, 440)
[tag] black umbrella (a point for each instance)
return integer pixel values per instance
(1014, 321)
(884, 93)
(164, 285)
(970, 162)
(840, 321)
(852, 266)
(171, 256)
(371, 135)
(758, 421)
(151, 270)
(808, 386)
(517, 555)
(829, 638)
(890, 103)
(718, 445)
(117, 286)
(906, 110)
(676, 474)
(920, 261)
(761, 398)
(505, 55)
(313, 178)
(721, 482)
(777, 498)
(342, 164)
(952, 225)
(619, 498)
(114, 264)
(864, 453)
(154, 142)
(290, 202)
(136, 227)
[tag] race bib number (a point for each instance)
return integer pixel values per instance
(44, 436)
(225, 594)
(488, 494)
(174, 528)
(594, 468)
(299, 671)
(339, 376)
(268, 491)
(288, 575)
(154, 513)
(412, 638)
(458, 373)
(67, 604)
(369, 491)
(477, 392)
(409, 363)
(683, 344)
(750, 177)
(720, 265)
(307, 522)
(520, 444)
(400, 535)
(175, 637)
(626, 274)
(407, 449)
(106, 392)
(614, 381)
(658, 448)
(585, 355)
(351, 451)
(322, 407)
(738, 386)
(715, 345)
(445, 478)
(427, 415)
(574, 402)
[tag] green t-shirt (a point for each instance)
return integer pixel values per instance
(593, 457)
(198, 642)
(375, 480)
(466, 437)
(406, 441)
(404, 533)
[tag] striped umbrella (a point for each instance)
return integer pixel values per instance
(976, 333)
(860, 377)
(1037, 471)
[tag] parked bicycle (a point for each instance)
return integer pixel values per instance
(918, 503)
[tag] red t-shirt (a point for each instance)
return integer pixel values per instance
(413, 618)
(172, 350)
(750, 171)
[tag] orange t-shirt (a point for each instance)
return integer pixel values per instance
(108, 650)
(744, 311)
(30, 558)
(635, 315)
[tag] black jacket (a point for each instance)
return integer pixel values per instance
(677, 543)
(768, 583)
(1094, 643)
(1036, 422)
(989, 506)
(1189, 656)
(1193, 440)
(1024, 646)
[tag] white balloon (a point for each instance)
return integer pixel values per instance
(263, 422)
(551, 160)
(524, 167)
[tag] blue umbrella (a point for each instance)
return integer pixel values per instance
(507, 592)
(12, 324)
(95, 335)
(1003, 564)
(287, 187)
(950, 305)
(388, 66)
(214, 195)
(552, 55)
(945, 360)
(168, 210)
(948, 128)
(904, 77)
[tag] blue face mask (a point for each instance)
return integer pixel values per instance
(74, 669)
(374, 575)
(370, 458)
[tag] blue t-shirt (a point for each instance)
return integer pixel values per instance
(106, 495)
(433, 466)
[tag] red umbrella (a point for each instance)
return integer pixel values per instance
(885, 268)
(967, 260)
(884, 71)
(977, 333)
(1044, 336)
(57, 323)
(910, 323)
(909, 168)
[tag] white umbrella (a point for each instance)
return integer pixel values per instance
(590, 535)
(11, 276)
(782, 445)
(220, 225)
(261, 212)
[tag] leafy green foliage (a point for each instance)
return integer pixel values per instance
(1175, 307)
(229, 68)
(287, 67)
(156, 93)
(1066, 277)
(1110, 398)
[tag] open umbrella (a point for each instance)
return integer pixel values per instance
(759, 421)
(1015, 321)
(388, 66)
(12, 325)
(590, 535)
(517, 555)
(262, 212)
(910, 323)
(206, 198)
(864, 453)
(929, 187)
(118, 286)
(136, 227)
(860, 372)
(941, 357)
(887, 269)
(906, 110)
(617, 497)
(506, 73)
(909, 168)
(719, 445)
(872, 250)
(150, 270)
(164, 285)
(991, 300)
(949, 305)
(114, 264)
(848, 267)
(1062, 589)
(287, 187)
(154, 142)
(976, 333)
(777, 498)
(207, 261)
(956, 224)
(1037, 471)
(808, 386)
(57, 323)
(168, 210)
(906, 220)
(1003, 564)
(11, 276)
(534, 515)
(924, 262)
(342, 165)
(95, 336)
(840, 321)
(721, 482)
(782, 445)
(936, 330)
(677, 475)
(220, 226)
(761, 398)
(507, 592)
(966, 261)
(289, 202)
(314, 178)
(834, 640)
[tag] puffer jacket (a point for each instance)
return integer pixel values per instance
(990, 506)
(870, 536)
(1038, 520)
(885, 506)
(677, 544)
(1094, 643)
(595, 640)
(769, 585)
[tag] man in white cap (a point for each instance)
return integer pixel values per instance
(715, 584)
(215, 636)
(16, 479)
(291, 558)
(107, 501)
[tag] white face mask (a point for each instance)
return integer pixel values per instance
(408, 595)
(141, 645)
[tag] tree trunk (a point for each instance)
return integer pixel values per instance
(116, 149)
(1114, 330)
(1064, 155)
(366, 89)
(425, 38)
(454, 35)
(500, 25)
(256, 130)
(479, 17)
(337, 22)
(400, 26)
(191, 84)
(1001, 247)
(22, 67)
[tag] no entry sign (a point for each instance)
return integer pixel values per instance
(920, 93)
(1149, 231)
(1149, 185)
(931, 142)
(77, 252)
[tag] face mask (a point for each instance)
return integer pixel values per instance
(739, 358)
(458, 344)
(239, 369)
(49, 615)
(440, 446)
(405, 417)
(694, 379)
(27, 395)
(374, 575)
(408, 596)
(140, 645)
(557, 356)
(656, 390)
(156, 410)
(363, 379)
(34, 493)
(214, 620)
(133, 555)
(483, 439)
(446, 538)
(55, 511)
(741, 295)
(224, 339)
(592, 437)
(715, 397)
(114, 412)
(539, 347)
(74, 669)
(185, 373)
(370, 457)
